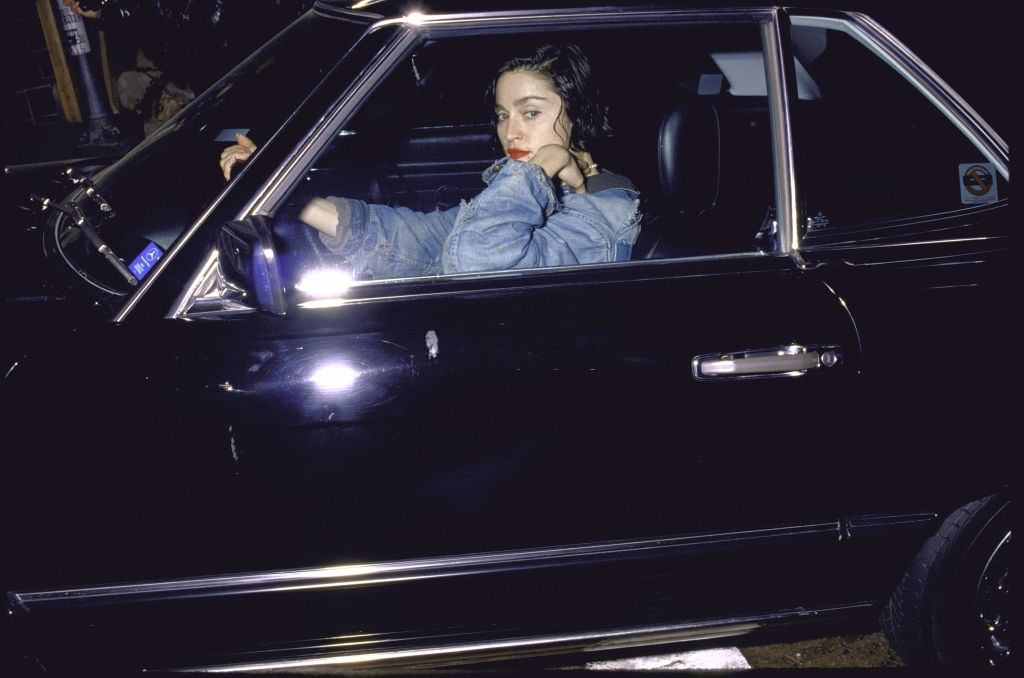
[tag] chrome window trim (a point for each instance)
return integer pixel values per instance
(608, 17)
(775, 55)
(532, 272)
(889, 49)
(190, 290)
(862, 245)
(527, 275)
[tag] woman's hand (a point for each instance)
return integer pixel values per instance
(569, 167)
(239, 152)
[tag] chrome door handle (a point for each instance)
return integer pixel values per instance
(785, 361)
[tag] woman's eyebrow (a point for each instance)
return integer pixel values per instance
(522, 100)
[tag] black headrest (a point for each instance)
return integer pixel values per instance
(688, 155)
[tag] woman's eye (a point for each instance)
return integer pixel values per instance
(501, 117)
(530, 115)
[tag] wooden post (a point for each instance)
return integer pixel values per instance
(66, 96)
(108, 77)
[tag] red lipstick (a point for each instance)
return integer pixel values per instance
(517, 153)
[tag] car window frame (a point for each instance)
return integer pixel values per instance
(885, 46)
(775, 48)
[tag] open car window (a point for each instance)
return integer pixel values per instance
(689, 112)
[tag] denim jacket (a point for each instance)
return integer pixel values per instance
(517, 221)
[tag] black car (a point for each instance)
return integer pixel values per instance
(223, 453)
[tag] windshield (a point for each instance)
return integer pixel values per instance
(164, 184)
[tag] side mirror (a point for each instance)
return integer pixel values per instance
(240, 275)
(247, 254)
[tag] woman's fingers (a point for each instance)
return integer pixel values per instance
(558, 161)
(246, 142)
(585, 161)
(236, 153)
(228, 162)
(575, 172)
(235, 149)
(583, 157)
(573, 177)
(230, 157)
(225, 167)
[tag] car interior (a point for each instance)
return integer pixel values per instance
(688, 108)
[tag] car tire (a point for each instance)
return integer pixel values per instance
(951, 607)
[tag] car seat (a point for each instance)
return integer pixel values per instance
(688, 161)
(714, 183)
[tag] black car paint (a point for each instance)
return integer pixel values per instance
(559, 409)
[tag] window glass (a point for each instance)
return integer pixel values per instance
(686, 172)
(166, 182)
(870, 147)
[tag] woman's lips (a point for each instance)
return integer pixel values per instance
(517, 153)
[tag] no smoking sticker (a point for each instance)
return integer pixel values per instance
(978, 183)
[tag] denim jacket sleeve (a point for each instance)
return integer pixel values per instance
(389, 242)
(519, 221)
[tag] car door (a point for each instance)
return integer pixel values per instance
(534, 418)
(541, 439)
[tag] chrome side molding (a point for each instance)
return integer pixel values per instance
(592, 641)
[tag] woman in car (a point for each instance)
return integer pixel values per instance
(546, 202)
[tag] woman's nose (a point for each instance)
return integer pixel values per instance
(512, 131)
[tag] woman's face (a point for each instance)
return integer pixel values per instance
(530, 114)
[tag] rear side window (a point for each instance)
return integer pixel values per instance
(871, 147)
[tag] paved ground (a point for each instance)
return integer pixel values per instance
(866, 651)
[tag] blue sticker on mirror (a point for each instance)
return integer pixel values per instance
(146, 260)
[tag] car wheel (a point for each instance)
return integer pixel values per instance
(951, 608)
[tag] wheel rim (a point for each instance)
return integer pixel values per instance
(992, 604)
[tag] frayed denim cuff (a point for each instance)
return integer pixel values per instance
(351, 230)
(541, 187)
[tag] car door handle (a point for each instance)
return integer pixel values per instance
(785, 361)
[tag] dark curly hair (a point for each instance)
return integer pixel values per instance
(568, 70)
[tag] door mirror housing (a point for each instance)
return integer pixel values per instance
(240, 274)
